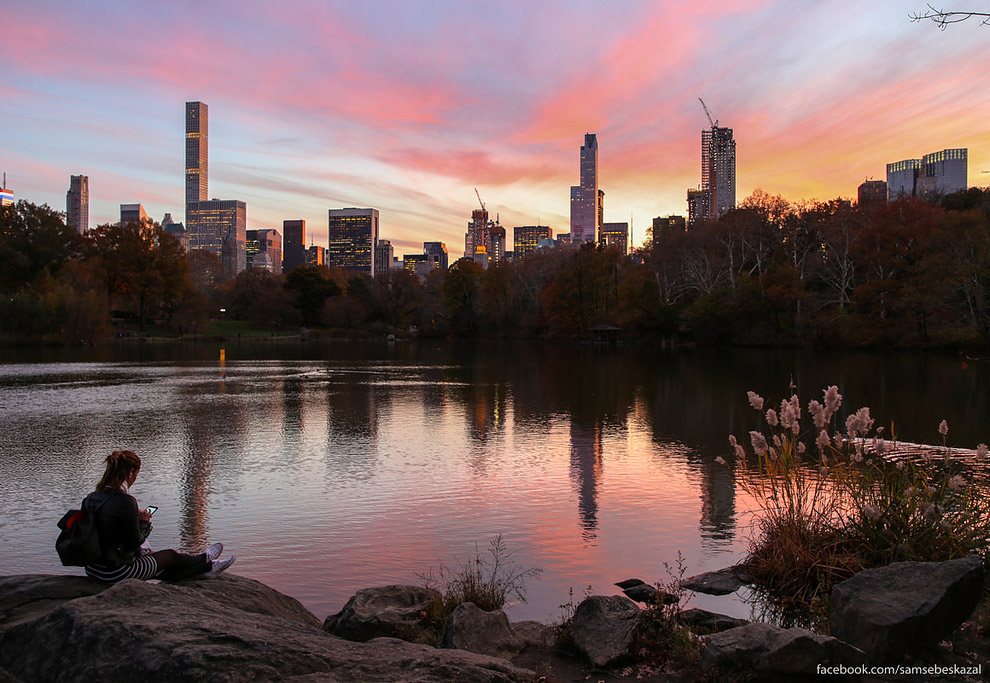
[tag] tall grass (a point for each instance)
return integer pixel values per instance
(489, 580)
(833, 504)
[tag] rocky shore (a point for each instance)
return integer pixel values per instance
(64, 628)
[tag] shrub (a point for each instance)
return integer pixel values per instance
(488, 580)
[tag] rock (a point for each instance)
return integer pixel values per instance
(892, 610)
(766, 649)
(629, 583)
(195, 631)
(640, 591)
(603, 628)
(533, 633)
(486, 633)
(703, 621)
(385, 611)
(29, 596)
(721, 582)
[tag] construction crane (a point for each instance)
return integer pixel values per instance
(708, 113)
(479, 200)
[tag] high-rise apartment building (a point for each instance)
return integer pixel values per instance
(935, 174)
(176, 230)
(132, 213)
(384, 253)
(293, 244)
(6, 196)
(616, 235)
(352, 236)
(496, 242)
(717, 194)
(586, 199)
(437, 251)
(526, 237)
(718, 169)
(263, 249)
(316, 255)
(478, 237)
(220, 228)
(197, 153)
(77, 203)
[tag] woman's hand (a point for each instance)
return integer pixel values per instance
(144, 516)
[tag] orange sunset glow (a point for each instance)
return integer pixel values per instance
(408, 106)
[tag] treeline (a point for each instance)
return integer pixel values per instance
(908, 273)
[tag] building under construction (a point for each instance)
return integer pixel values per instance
(717, 194)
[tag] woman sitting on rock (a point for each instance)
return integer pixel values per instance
(123, 528)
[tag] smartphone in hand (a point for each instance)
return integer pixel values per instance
(152, 509)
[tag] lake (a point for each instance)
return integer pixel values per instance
(330, 467)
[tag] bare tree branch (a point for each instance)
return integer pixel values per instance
(941, 18)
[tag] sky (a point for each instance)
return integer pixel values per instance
(407, 106)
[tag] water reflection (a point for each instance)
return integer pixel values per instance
(586, 470)
(355, 467)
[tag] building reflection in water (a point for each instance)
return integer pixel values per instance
(586, 472)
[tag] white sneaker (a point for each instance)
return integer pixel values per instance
(219, 566)
(213, 552)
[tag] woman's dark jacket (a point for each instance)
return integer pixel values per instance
(121, 532)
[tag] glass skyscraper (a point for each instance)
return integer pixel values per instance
(585, 198)
(353, 234)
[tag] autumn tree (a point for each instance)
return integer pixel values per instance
(33, 239)
(311, 286)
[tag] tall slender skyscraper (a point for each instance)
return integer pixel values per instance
(717, 194)
(77, 203)
(718, 169)
(585, 198)
(197, 152)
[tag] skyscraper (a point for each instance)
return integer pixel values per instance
(717, 194)
(616, 235)
(526, 237)
(478, 237)
(133, 213)
(384, 253)
(77, 203)
(352, 236)
(293, 244)
(437, 251)
(585, 198)
(197, 153)
(220, 228)
(264, 249)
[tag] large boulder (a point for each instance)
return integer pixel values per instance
(889, 611)
(228, 628)
(476, 630)
(603, 628)
(28, 596)
(769, 650)
(386, 611)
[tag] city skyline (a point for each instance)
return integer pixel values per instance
(820, 99)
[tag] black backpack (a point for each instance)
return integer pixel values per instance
(78, 543)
